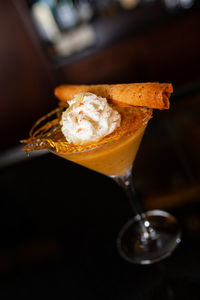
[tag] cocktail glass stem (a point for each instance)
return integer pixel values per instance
(149, 236)
(126, 183)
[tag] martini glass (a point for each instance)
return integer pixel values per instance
(149, 236)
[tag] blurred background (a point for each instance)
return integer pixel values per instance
(61, 239)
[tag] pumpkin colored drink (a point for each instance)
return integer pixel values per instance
(100, 134)
(113, 158)
(108, 136)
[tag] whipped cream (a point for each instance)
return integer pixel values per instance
(88, 119)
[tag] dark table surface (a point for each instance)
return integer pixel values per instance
(60, 221)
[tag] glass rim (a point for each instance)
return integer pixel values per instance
(149, 110)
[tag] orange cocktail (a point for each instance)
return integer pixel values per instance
(113, 155)
(105, 138)
(113, 158)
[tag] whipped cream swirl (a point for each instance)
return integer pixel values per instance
(88, 119)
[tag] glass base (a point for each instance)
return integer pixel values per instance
(150, 240)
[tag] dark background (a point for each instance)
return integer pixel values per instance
(59, 221)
